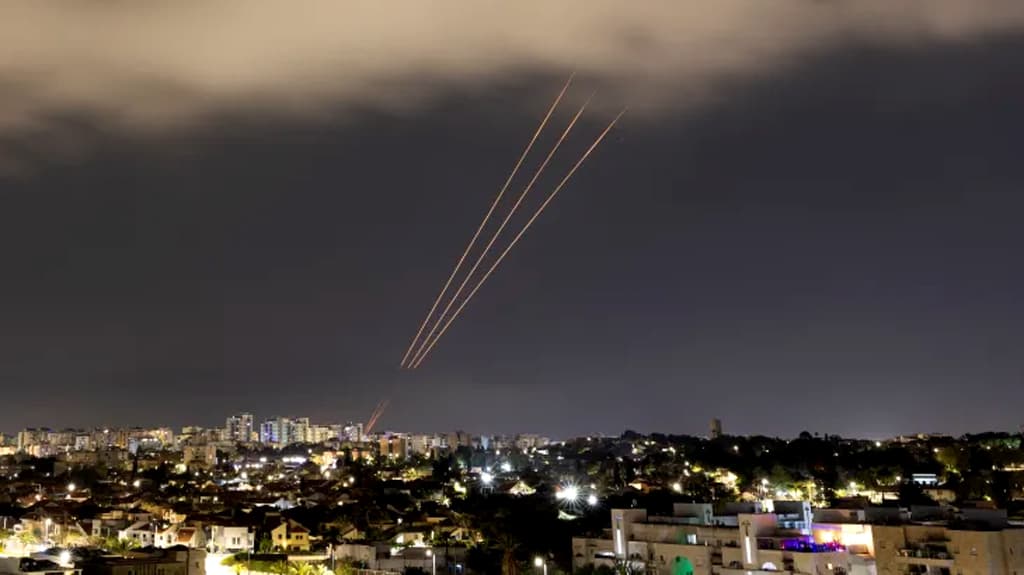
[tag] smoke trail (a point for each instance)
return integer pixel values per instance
(536, 214)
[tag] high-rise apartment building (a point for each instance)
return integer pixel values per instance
(239, 428)
(301, 431)
(277, 431)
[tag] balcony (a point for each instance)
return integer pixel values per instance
(925, 556)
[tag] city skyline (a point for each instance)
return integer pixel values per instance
(808, 220)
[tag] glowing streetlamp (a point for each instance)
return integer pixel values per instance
(540, 563)
(433, 561)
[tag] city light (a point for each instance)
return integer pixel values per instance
(506, 467)
(568, 493)
(677, 487)
(486, 478)
(592, 500)
(71, 487)
(65, 557)
(538, 562)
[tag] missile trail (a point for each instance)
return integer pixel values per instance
(501, 228)
(536, 214)
(483, 222)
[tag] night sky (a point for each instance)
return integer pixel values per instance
(805, 221)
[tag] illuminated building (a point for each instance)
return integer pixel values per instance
(525, 441)
(694, 539)
(299, 431)
(290, 536)
(352, 432)
(239, 428)
(394, 447)
(278, 431)
(200, 456)
(927, 539)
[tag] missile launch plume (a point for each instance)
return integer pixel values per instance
(515, 240)
(501, 228)
(487, 216)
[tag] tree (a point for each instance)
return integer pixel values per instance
(118, 546)
(279, 567)
(265, 545)
(509, 546)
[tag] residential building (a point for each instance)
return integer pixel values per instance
(928, 540)
(525, 441)
(743, 538)
(239, 428)
(278, 431)
(142, 533)
(173, 561)
(300, 432)
(204, 456)
(394, 447)
(421, 444)
(32, 437)
(321, 433)
(179, 534)
(457, 439)
(290, 536)
(226, 538)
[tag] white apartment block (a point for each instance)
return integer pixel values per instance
(784, 537)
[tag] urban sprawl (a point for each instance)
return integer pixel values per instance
(290, 497)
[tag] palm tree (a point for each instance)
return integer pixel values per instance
(305, 568)
(119, 546)
(28, 537)
(280, 567)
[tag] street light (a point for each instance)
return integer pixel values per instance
(433, 561)
(539, 562)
